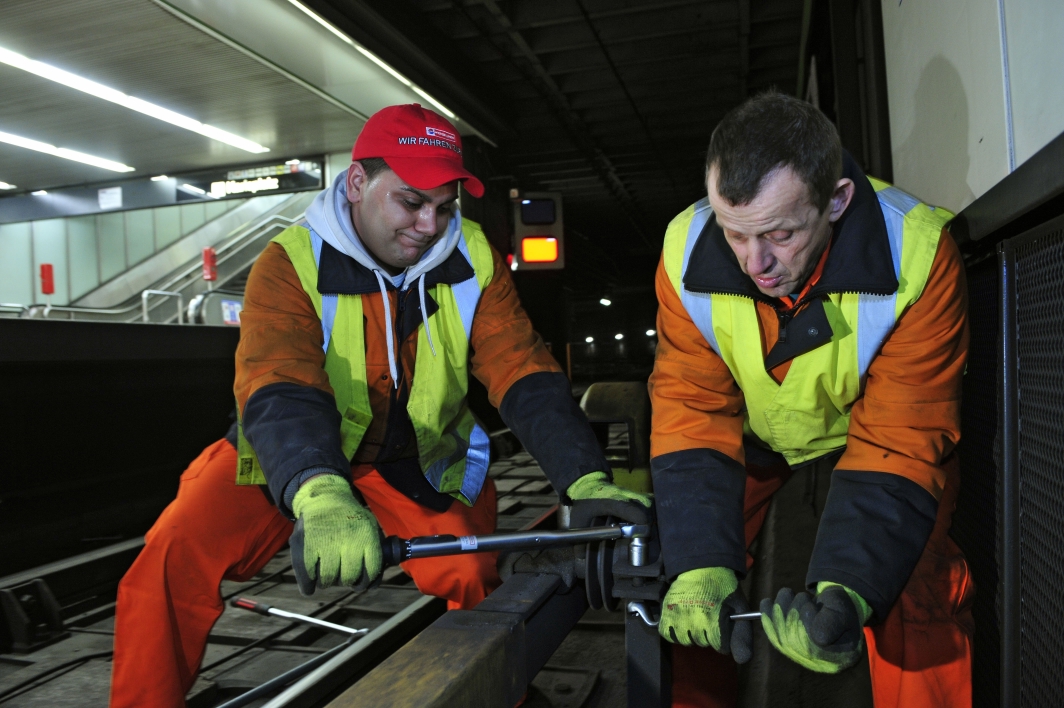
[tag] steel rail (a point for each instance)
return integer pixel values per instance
(286, 678)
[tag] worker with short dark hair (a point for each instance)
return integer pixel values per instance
(360, 328)
(811, 317)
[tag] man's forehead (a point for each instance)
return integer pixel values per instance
(782, 202)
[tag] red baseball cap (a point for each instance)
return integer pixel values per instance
(420, 146)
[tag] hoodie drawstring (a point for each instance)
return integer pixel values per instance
(388, 328)
(424, 312)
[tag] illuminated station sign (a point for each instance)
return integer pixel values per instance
(295, 175)
(290, 176)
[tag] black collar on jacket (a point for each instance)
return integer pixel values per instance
(860, 261)
(339, 273)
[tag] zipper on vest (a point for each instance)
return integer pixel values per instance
(785, 319)
(397, 328)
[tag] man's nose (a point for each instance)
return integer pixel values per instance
(759, 260)
(426, 221)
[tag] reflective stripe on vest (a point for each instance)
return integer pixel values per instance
(476, 449)
(808, 415)
(698, 305)
(466, 295)
(452, 449)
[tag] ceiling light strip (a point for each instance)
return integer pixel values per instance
(65, 153)
(107, 93)
(372, 57)
(233, 44)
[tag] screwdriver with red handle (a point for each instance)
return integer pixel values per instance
(263, 609)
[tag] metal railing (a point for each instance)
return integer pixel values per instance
(165, 293)
(229, 249)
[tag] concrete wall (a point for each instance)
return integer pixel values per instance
(87, 251)
(1035, 35)
(975, 88)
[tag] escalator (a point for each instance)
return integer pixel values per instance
(169, 287)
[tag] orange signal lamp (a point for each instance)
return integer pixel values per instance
(539, 249)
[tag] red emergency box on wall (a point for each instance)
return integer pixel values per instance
(47, 279)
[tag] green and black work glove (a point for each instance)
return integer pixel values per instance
(825, 634)
(597, 486)
(697, 611)
(336, 540)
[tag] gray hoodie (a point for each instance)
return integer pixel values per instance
(329, 216)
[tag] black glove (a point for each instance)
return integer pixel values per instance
(825, 635)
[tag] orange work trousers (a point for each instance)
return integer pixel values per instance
(920, 656)
(215, 530)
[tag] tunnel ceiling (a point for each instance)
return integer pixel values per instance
(145, 51)
(610, 102)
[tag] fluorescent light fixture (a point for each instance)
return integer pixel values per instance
(322, 21)
(605, 302)
(589, 340)
(5, 185)
(651, 333)
(291, 162)
(63, 152)
(395, 74)
(372, 57)
(79, 83)
(618, 336)
(39, 193)
(190, 188)
(381, 63)
(442, 108)
(159, 178)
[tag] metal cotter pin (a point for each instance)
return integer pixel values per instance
(638, 608)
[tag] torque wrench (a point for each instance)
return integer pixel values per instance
(396, 550)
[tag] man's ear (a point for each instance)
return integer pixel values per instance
(840, 199)
(356, 182)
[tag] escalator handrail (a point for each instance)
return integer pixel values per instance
(227, 251)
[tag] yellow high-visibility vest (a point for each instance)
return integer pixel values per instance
(452, 449)
(808, 415)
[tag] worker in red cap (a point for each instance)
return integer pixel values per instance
(360, 327)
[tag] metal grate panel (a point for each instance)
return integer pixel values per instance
(977, 520)
(1040, 322)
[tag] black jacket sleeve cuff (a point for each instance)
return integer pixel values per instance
(872, 532)
(699, 499)
(231, 435)
(292, 428)
(540, 410)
